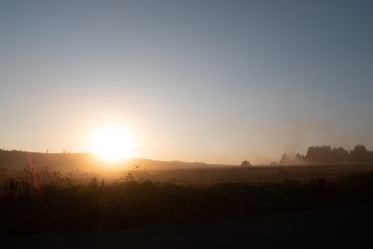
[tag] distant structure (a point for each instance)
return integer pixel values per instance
(245, 163)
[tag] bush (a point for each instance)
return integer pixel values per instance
(245, 163)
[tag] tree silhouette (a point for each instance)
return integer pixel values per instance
(360, 154)
(326, 154)
(245, 163)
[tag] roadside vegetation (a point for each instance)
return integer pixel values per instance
(79, 201)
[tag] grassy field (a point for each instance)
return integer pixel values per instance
(79, 201)
(253, 174)
(194, 175)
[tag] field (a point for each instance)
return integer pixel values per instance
(86, 166)
(252, 174)
(49, 200)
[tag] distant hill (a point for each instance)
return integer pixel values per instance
(87, 161)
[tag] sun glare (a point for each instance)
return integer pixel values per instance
(112, 143)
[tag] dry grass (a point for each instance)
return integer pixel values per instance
(77, 201)
(253, 174)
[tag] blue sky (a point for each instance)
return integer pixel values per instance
(213, 81)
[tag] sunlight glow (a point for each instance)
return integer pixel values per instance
(112, 143)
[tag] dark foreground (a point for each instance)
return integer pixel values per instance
(340, 226)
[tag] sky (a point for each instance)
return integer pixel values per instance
(209, 81)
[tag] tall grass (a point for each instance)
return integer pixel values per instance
(77, 201)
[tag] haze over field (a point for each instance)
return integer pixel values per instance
(207, 81)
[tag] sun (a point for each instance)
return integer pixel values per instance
(112, 143)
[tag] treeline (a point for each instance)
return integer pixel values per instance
(327, 154)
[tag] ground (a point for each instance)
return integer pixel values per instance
(341, 226)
